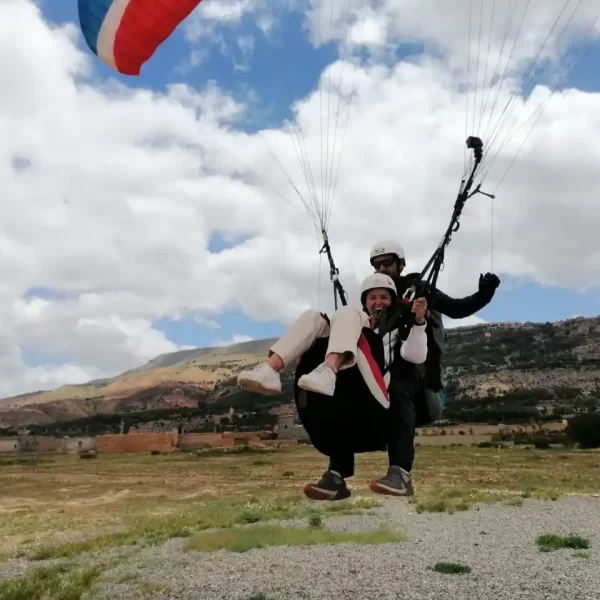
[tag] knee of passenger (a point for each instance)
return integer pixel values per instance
(312, 316)
(345, 312)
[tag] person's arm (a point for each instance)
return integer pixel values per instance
(459, 308)
(414, 349)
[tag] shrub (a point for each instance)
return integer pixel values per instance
(552, 541)
(315, 520)
(585, 430)
(451, 568)
(560, 438)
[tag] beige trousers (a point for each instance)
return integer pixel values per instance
(344, 331)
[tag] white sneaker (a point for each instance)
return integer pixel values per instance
(321, 380)
(262, 379)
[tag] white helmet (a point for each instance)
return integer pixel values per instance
(377, 280)
(387, 247)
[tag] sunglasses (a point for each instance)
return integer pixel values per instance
(384, 262)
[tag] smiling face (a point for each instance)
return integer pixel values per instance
(378, 299)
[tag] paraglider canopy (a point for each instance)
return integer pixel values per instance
(125, 34)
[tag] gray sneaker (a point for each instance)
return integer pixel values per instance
(397, 482)
(330, 487)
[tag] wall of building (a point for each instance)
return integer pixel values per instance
(148, 442)
(282, 442)
(73, 445)
(242, 437)
(285, 427)
(137, 442)
(40, 443)
(9, 445)
(191, 441)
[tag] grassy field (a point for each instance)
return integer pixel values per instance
(61, 506)
(74, 520)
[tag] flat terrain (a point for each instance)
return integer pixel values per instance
(235, 525)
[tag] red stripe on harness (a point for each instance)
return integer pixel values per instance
(364, 347)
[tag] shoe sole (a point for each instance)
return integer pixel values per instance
(387, 491)
(314, 493)
(307, 386)
(254, 386)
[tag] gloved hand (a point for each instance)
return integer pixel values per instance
(488, 283)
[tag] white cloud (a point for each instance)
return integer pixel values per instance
(541, 26)
(217, 22)
(237, 338)
(208, 14)
(466, 322)
(111, 194)
(208, 323)
(105, 332)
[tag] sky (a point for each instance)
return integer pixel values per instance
(181, 208)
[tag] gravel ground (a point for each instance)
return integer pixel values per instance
(496, 541)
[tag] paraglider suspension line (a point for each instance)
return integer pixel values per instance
(338, 290)
(436, 261)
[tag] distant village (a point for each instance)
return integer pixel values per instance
(154, 438)
(161, 438)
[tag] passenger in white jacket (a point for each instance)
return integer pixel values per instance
(378, 292)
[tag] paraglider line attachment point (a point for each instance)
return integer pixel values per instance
(474, 143)
(477, 190)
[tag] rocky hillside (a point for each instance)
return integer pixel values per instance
(547, 367)
(171, 381)
(489, 369)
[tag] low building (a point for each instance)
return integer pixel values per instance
(137, 442)
(40, 443)
(285, 427)
(9, 445)
(72, 445)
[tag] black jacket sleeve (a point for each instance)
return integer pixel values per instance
(459, 308)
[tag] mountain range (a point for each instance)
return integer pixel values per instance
(533, 368)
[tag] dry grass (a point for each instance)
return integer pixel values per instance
(61, 506)
(481, 429)
(448, 440)
(262, 536)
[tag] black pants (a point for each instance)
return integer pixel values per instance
(399, 432)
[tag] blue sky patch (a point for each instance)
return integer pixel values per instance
(34, 357)
(219, 241)
(520, 300)
(188, 331)
(47, 293)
